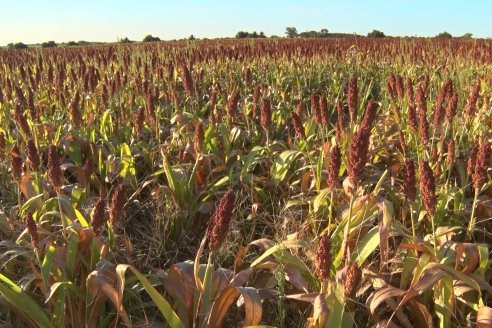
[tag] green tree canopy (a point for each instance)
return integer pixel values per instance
(248, 35)
(18, 45)
(124, 40)
(49, 44)
(444, 35)
(291, 32)
(375, 34)
(150, 38)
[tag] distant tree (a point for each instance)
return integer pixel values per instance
(444, 35)
(291, 32)
(274, 36)
(18, 45)
(375, 34)
(245, 35)
(309, 34)
(124, 40)
(49, 44)
(192, 37)
(467, 36)
(72, 44)
(323, 33)
(241, 35)
(150, 38)
(83, 43)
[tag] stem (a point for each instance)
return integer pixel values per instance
(412, 218)
(62, 216)
(434, 235)
(347, 234)
(330, 213)
(471, 225)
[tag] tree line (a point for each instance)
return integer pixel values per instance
(290, 32)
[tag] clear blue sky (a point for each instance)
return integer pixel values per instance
(33, 21)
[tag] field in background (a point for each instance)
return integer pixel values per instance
(286, 183)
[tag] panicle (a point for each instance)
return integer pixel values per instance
(428, 187)
(334, 167)
(298, 127)
(33, 155)
(266, 114)
(353, 98)
(324, 258)
(480, 176)
(116, 208)
(16, 164)
(199, 138)
(55, 174)
(352, 281)
(98, 216)
(32, 229)
(410, 182)
(219, 224)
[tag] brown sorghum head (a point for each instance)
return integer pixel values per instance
(422, 115)
(323, 109)
(98, 216)
(358, 156)
(412, 117)
(315, 110)
(369, 114)
(150, 107)
(428, 187)
(452, 107)
(74, 110)
(117, 205)
(88, 168)
(391, 87)
(480, 176)
(300, 109)
(439, 111)
(187, 81)
(232, 104)
(323, 258)
(22, 121)
(298, 127)
(400, 89)
(199, 138)
(139, 119)
(32, 229)
(219, 224)
(33, 155)
(334, 166)
(451, 158)
(266, 114)
(16, 163)
(471, 105)
(409, 90)
(340, 128)
(353, 98)
(410, 182)
(55, 174)
(353, 277)
(403, 144)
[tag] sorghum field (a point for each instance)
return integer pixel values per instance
(286, 183)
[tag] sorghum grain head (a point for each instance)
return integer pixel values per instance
(219, 224)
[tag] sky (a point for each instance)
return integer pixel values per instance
(32, 21)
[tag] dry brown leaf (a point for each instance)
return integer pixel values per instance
(381, 295)
(467, 256)
(484, 317)
(320, 311)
